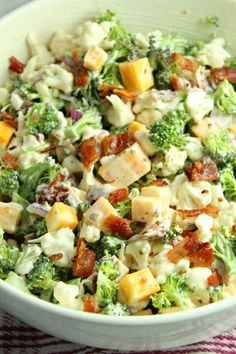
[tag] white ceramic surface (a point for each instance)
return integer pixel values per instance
(131, 333)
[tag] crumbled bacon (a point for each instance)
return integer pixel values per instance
(118, 196)
(109, 89)
(53, 192)
(234, 229)
(214, 279)
(15, 65)
(56, 257)
(90, 304)
(159, 183)
(50, 148)
(83, 261)
(202, 171)
(199, 253)
(89, 151)
(9, 161)
(75, 65)
(184, 63)
(59, 178)
(118, 226)
(9, 119)
(209, 210)
(224, 73)
(114, 144)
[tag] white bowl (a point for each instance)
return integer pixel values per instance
(124, 333)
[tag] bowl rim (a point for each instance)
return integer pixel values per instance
(180, 316)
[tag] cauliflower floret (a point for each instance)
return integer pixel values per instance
(141, 41)
(122, 269)
(194, 148)
(197, 281)
(61, 43)
(161, 100)
(72, 164)
(39, 50)
(174, 187)
(204, 224)
(25, 262)
(59, 242)
(30, 158)
(90, 233)
(194, 195)
(68, 295)
(218, 198)
(149, 116)
(213, 53)
(88, 179)
(16, 101)
(56, 77)
(59, 131)
(4, 94)
(76, 197)
(120, 113)
(90, 132)
(198, 104)
(137, 254)
(30, 73)
(92, 34)
(226, 217)
(174, 160)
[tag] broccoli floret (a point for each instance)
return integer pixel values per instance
(225, 98)
(106, 16)
(215, 293)
(41, 119)
(172, 41)
(218, 147)
(43, 277)
(231, 62)
(124, 208)
(107, 288)
(40, 228)
(169, 131)
(228, 182)
(173, 292)
(111, 244)
(223, 250)
(173, 232)
(119, 130)
(26, 91)
(211, 20)
(91, 117)
(9, 182)
(8, 257)
(117, 309)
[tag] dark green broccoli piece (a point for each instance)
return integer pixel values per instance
(171, 41)
(169, 131)
(222, 248)
(106, 16)
(9, 182)
(117, 309)
(26, 91)
(228, 182)
(211, 20)
(173, 232)
(218, 147)
(107, 288)
(8, 257)
(225, 98)
(40, 228)
(173, 292)
(43, 277)
(91, 117)
(119, 130)
(111, 244)
(41, 119)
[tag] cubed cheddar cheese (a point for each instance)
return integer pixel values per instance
(136, 127)
(126, 168)
(6, 132)
(136, 75)
(10, 215)
(147, 312)
(98, 212)
(60, 216)
(137, 286)
(204, 128)
(146, 209)
(162, 193)
(95, 59)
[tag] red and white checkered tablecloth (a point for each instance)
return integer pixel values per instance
(19, 338)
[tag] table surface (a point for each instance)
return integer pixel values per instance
(18, 338)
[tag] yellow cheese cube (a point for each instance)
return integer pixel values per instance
(98, 212)
(60, 216)
(6, 132)
(126, 168)
(147, 312)
(146, 209)
(138, 286)
(95, 58)
(162, 193)
(10, 215)
(136, 127)
(136, 75)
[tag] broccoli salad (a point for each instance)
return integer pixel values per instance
(117, 176)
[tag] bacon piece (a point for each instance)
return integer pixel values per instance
(109, 89)
(75, 65)
(82, 78)
(114, 144)
(118, 226)
(184, 63)
(209, 210)
(90, 304)
(9, 161)
(199, 253)
(118, 196)
(9, 119)
(224, 73)
(15, 65)
(50, 148)
(89, 151)
(56, 257)
(214, 279)
(83, 261)
(202, 171)
(159, 183)
(59, 178)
